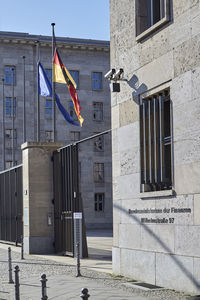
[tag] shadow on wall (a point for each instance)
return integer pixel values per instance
(174, 258)
(138, 88)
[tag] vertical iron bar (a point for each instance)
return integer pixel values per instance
(150, 156)
(10, 266)
(13, 134)
(22, 247)
(155, 140)
(144, 142)
(17, 295)
(38, 95)
(3, 124)
(78, 272)
(161, 136)
(53, 85)
(152, 12)
(24, 104)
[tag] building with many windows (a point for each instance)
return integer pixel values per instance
(156, 142)
(87, 61)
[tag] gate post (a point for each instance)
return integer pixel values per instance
(38, 196)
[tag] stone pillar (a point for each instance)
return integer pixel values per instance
(38, 209)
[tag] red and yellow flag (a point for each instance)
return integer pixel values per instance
(62, 75)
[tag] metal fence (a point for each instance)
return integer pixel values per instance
(11, 205)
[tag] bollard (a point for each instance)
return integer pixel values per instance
(44, 287)
(84, 294)
(17, 296)
(22, 247)
(78, 272)
(10, 266)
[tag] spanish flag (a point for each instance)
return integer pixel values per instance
(61, 75)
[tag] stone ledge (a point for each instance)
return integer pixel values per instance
(157, 194)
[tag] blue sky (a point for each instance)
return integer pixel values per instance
(73, 18)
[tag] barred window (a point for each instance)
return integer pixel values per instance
(99, 202)
(10, 106)
(98, 111)
(8, 138)
(155, 142)
(98, 172)
(10, 74)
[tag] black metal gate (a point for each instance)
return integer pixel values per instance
(11, 205)
(66, 199)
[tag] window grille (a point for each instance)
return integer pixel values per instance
(10, 74)
(48, 136)
(8, 138)
(99, 143)
(99, 202)
(10, 105)
(155, 142)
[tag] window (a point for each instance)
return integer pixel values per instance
(75, 76)
(72, 111)
(75, 136)
(8, 138)
(48, 136)
(155, 142)
(9, 164)
(98, 172)
(96, 81)
(98, 111)
(49, 74)
(49, 107)
(99, 202)
(10, 74)
(99, 143)
(150, 15)
(9, 106)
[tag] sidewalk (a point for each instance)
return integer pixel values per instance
(62, 282)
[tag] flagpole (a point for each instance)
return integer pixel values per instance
(3, 124)
(38, 96)
(13, 117)
(53, 85)
(24, 103)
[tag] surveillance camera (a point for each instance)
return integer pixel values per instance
(118, 74)
(109, 74)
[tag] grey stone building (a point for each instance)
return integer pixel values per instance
(87, 60)
(156, 142)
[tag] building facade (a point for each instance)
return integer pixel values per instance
(87, 61)
(156, 142)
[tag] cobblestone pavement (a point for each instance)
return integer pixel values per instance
(63, 283)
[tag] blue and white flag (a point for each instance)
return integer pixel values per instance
(44, 85)
(45, 89)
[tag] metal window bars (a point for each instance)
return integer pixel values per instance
(155, 142)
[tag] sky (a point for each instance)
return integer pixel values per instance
(74, 18)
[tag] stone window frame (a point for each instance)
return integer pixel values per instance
(75, 76)
(48, 108)
(97, 83)
(154, 27)
(98, 111)
(99, 143)
(166, 192)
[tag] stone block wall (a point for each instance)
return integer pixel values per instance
(166, 254)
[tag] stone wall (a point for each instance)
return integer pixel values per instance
(166, 254)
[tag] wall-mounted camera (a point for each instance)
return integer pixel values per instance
(115, 76)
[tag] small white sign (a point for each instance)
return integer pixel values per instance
(78, 215)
